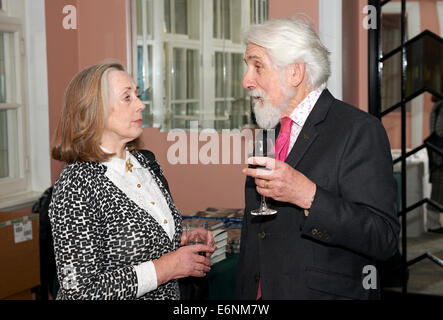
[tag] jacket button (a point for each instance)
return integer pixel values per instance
(262, 235)
(314, 231)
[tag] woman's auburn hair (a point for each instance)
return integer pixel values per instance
(82, 118)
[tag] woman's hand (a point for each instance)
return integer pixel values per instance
(198, 235)
(184, 262)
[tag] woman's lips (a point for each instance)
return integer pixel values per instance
(139, 121)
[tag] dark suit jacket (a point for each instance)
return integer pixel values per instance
(352, 221)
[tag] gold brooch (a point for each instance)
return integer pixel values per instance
(129, 165)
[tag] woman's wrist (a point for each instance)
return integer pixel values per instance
(162, 270)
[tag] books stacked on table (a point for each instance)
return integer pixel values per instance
(221, 241)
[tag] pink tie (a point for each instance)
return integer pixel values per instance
(281, 152)
(282, 142)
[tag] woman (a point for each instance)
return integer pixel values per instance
(117, 232)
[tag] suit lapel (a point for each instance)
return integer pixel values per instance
(309, 133)
(306, 137)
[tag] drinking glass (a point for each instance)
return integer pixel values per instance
(265, 148)
(196, 232)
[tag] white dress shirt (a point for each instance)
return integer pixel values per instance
(140, 187)
(300, 114)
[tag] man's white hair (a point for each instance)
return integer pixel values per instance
(293, 40)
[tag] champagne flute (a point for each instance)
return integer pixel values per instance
(264, 210)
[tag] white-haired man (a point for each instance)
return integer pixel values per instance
(332, 183)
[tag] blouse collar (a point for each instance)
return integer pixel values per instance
(119, 165)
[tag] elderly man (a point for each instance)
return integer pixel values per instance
(332, 182)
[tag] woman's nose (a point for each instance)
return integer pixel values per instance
(141, 105)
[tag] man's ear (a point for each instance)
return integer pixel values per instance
(296, 73)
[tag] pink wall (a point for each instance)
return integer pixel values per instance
(286, 9)
(195, 187)
(100, 35)
(102, 31)
(355, 54)
(62, 61)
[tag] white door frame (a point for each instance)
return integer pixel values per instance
(330, 31)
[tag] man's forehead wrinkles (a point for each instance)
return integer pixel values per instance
(253, 57)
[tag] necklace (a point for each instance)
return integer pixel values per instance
(129, 165)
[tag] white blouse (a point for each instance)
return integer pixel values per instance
(140, 187)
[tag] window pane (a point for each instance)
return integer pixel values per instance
(8, 144)
(220, 75)
(227, 19)
(221, 115)
(185, 74)
(220, 109)
(183, 113)
(178, 73)
(7, 68)
(259, 11)
(144, 83)
(4, 163)
(192, 74)
(237, 75)
(148, 18)
(181, 17)
(215, 19)
(185, 90)
(252, 8)
(239, 111)
(167, 26)
(148, 115)
(179, 109)
(139, 18)
(179, 115)
(236, 21)
(144, 73)
(192, 109)
(266, 10)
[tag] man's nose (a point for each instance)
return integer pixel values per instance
(248, 82)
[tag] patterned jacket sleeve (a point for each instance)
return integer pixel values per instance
(76, 227)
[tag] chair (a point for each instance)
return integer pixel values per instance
(48, 273)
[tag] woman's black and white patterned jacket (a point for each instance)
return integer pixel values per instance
(100, 234)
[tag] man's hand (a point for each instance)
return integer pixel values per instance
(282, 182)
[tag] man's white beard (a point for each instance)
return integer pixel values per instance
(266, 114)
